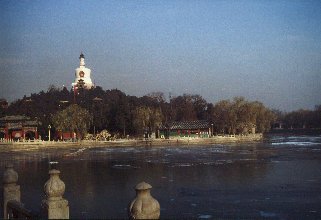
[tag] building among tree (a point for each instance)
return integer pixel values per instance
(18, 127)
(82, 75)
(199, 128)
(3, 104)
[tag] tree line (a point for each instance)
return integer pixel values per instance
(119, 113)
(300, 119)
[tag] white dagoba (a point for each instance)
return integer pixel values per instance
(82, 75)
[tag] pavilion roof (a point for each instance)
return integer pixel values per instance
(32, 123)
(26, 121)
(186, 125)
(14, 118)
(97, 99)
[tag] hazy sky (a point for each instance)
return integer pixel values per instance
(268, 51)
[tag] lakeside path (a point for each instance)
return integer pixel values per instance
(38, 145)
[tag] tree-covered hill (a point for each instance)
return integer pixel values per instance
(124, 114)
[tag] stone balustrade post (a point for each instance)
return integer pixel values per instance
(144, 206)
(11, 191)
(54, 206)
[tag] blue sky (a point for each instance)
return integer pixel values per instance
(268, 51)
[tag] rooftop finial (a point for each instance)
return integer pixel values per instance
(81, 55)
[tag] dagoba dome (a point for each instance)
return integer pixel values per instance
(82, 75)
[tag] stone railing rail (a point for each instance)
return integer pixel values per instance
(54, 206)
(16, 210)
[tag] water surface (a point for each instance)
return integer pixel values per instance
(279, 178)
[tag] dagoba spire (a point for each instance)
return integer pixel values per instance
(82, 59)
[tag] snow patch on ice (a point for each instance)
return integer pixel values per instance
(204, 216)
(124, 166)
(267, 214)
(297, 143)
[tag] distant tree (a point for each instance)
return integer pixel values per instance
(147, 118)
(200, 106)
(52, 88)
(117, 111)
(99, 118)
(240, 116)
(278, 114)
(317, 116)
(221, 116)
(159, 97)
(182, 109)
(73, 118)
(188, 108)
(209, 112)
(264, 117)
(245, 115)
(301, 119)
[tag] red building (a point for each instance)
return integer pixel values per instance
(18, 127)
(199, 128)
(66, 135)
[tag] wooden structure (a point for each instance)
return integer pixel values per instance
(18, 127)
(199, 128)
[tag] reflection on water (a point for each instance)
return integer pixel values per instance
(278, 179)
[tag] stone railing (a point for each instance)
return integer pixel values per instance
(54, 206)
(16, 210)
(11, 191)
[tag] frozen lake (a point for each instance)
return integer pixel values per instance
(279, 178)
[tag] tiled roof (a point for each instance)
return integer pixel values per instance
(186, 125)
(97, 99)
(32, 123)
(26, 121)
(14, 118)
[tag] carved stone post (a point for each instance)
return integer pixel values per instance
(144, 206)
(11, 191)
(54, 206)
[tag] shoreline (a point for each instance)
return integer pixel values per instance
(38, 145)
